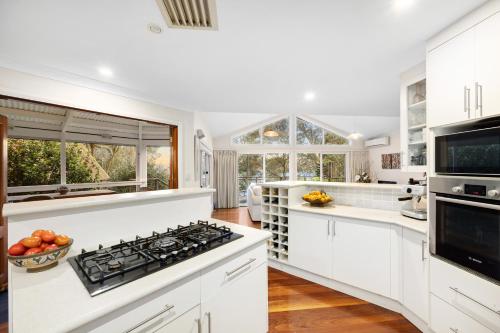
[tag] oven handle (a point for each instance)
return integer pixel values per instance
(469, 203)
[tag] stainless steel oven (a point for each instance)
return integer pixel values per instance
(472, 152)
(465, 223)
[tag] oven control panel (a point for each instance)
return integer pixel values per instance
(479, 190)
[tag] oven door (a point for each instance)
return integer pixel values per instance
(474, 152)
(466, 232)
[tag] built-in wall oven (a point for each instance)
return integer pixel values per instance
(469, 152)
(465, 223)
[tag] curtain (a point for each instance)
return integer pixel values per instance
(358, 163)
(226, 178)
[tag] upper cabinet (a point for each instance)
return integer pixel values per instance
(413, 120)
(463, 75)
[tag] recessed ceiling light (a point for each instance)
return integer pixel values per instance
(154, 28)
(401, 5)
(105, 71)
(309, 96)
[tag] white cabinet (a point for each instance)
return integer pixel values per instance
(239, 306)
(413, 116)
(234, 294)
(310, 242)
(415, 270)
(362, 254)
(187, 323)
(446, 319)
(488, 67)
(450, 81)
(463, 75)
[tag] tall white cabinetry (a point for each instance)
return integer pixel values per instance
(413, 117)
(463, 75)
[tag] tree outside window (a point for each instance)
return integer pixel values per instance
(308, 133)
(252, 137)
(276, 133)
(333, 166)
(277, 167)
(308, 166)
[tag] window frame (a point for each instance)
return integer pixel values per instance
(321, 153)
(260, 127)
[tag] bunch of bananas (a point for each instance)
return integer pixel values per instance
(319, 197)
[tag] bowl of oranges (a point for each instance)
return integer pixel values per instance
(317, 198)
(42, 249)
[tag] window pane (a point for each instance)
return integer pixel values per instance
(248, 138)
(91, 162)
(158, 168)
(334, 139)
(333, 167)
(276, 132)
(277, 167)
(250, 170)
(308, 167)
(308, 133)
(33, 162)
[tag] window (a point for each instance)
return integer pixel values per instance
(333, 167)
(33, 162)
(277, 167)
(308, 166)
(92, 162)
(311, 134)
(308, 133)
(158, 167)
(252, 137)
(276, 133)
(250, 170)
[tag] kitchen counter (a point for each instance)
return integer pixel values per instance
(369, 214)
(292, 184)
(33, 207)
(56, 300)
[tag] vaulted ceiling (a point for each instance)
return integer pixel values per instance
(264, 57)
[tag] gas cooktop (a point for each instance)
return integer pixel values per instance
(110, 267)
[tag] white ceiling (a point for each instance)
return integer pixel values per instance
(264, 57)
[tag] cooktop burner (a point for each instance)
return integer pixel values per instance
(110, 267)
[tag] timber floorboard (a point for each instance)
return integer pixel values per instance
(300, 306)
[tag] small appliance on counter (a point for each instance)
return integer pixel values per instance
(416, 201)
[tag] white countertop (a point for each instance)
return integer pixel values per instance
(376, 215)
(56, 300)
(22, 208)
(290, 184)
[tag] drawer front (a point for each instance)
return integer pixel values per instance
(152, 312)
(446, 319)
(231, 270)
(187, 323)
(472, 295)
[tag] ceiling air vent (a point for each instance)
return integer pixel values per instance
(189, 14)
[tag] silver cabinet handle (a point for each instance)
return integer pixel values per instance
(209, 317)
(145, 321)
(480, 104)
(251, 260)
(475, 301)
(454, 329)
(423, 249)
(328, 228)
(198, 325)
(334, 228)
(467, 96)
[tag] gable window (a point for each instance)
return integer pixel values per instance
(249, 138)
(308, 133)
(276, 132)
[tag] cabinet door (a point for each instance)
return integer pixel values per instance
(240, 306)
(415, 268)
(488, 66)
(187, 323)
(362, 254)
(450, 81)
(310, 242)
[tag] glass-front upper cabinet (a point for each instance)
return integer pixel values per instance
(413, 120)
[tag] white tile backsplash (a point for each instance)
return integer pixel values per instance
(365, 198)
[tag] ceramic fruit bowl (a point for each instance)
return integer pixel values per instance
(318, 198)
(41, 260)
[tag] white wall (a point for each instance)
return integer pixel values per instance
(377, 173)
(22, 85)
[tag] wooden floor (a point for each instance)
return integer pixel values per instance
(300, 306)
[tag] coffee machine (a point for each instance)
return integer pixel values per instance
(415, 198)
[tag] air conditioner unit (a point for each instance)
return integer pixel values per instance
(378, 142)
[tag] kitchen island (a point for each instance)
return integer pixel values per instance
(190, 295)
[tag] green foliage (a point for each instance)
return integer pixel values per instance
(277, 167)
(252, 137)
(308, 167)
(33, 162)
(158, 169)
(281, 128)
(77, 166)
